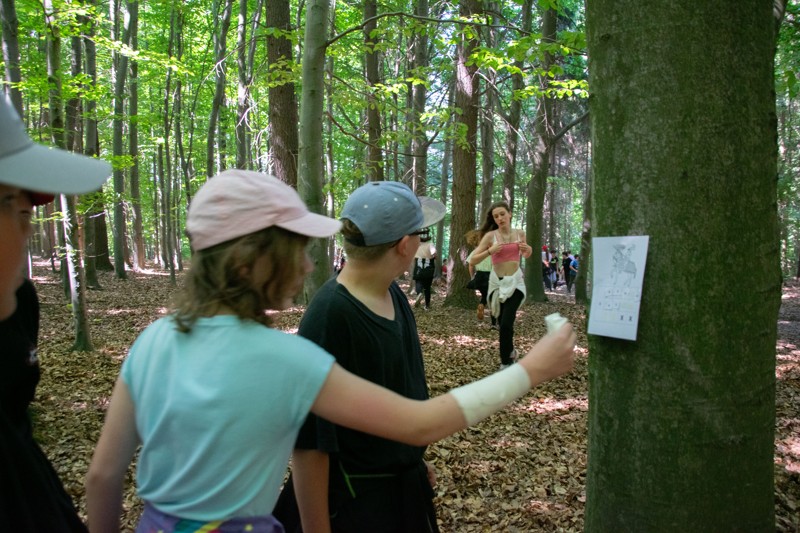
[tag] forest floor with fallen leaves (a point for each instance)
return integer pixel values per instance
(522, 470)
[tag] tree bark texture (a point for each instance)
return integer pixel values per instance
(371, 57)
(464, 162)
(681, 421)
(8, 17)
(309, 183)
(120, 231)
(138, 254)
(222, 19)
(542, 154)
(283, 121)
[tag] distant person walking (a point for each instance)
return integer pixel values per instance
(565, 271)
(480, 273)
(574, 265)
(424, 270)
(546, 269)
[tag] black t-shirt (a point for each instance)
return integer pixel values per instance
(31, 495)
(386, 352)
(19, 362)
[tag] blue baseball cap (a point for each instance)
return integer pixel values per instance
(386, 211)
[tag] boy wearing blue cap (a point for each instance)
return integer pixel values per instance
(345, 480)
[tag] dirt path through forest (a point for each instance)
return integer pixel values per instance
(522, 470)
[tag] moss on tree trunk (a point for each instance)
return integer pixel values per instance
(681, 421)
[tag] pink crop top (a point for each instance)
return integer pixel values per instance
(507, 252)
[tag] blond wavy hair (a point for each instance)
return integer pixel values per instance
(219, 279)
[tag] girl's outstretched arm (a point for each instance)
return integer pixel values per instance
(350, 401)
(115, 449)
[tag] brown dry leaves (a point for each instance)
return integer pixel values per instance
(522, 470)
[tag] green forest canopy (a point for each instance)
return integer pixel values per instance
(180, 54)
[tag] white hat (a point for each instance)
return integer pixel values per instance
(40, 169)
(235, 203)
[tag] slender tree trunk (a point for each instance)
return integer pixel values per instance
(98, 256)
(487, 119)
(374, 152)
(72, 270)
(584, 267)
(8, 17)
(283, 121)
(541, 161)
(419, 139)
(309, 183)
(185, 162)
(681, 421)
(444, 187)
(330, 169)
(222, 22)
(95, 207)
(137, 239)
(120, 226)
(165, 163)
(242, 90)
(514, 117)
(464, 163)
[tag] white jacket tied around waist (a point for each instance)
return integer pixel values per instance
(501, 290)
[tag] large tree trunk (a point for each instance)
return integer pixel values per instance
(284, 141)
(681, 421)
(464, 164)
(310, 172)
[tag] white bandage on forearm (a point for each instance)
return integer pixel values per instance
(487, 396)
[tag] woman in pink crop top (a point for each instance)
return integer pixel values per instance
(507, 247)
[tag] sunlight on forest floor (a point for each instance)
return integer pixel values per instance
(521, 470)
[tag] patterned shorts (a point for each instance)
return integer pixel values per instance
(154, 521)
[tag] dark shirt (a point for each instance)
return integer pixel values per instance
(19, 362)
(374, 484)
(386, 352)
(32, 498)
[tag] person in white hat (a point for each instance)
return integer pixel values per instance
(32, 498)
(216, 398)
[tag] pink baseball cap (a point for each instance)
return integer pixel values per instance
(235, 203)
